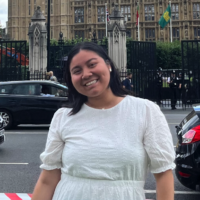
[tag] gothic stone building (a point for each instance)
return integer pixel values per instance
(82, 17)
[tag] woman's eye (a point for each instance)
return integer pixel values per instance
(92, 64)
(77, 72)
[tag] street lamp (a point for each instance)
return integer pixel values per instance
(48, 34)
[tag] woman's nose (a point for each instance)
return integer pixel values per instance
(86, 74)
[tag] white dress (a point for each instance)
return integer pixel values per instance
(105, 154)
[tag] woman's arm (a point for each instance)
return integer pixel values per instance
(165, 185)
(46, 184)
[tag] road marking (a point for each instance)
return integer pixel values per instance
(14, 163)
(174, 123)
(176, 192)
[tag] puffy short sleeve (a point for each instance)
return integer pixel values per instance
(52, 155)
(158, 140)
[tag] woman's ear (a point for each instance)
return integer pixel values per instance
(107, 62)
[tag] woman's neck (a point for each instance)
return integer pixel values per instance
(104, 101)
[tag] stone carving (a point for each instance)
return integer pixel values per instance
(37, 35)
(116, 34)
(37, 42)
(90, 35)
(117, 39)
(186, 32)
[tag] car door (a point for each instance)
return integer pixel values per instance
(21, 101)
(48, 102)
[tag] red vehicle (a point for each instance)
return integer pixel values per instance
(10, 52)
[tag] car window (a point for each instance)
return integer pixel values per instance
(6, 89)
(47, 90)
(58, 92)
(26, 89)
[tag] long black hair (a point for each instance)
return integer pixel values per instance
(76, 100)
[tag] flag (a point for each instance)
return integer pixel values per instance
(165, 19)
(137, 15)
(107, 14)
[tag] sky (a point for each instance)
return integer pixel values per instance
(3, 12)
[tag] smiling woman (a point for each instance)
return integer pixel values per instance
(92, 78)
(102, 145)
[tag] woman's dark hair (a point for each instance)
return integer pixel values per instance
(76, 99)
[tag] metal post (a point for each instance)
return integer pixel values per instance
(48, 34)
(170, 22)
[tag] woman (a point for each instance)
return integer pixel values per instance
(101, 147)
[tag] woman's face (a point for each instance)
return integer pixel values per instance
(90, 74)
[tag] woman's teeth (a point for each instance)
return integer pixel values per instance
(92, 82)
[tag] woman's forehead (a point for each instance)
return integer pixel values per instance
(83, 56)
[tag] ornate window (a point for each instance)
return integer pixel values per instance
(79, 34)
(101, 14)
(196, 32)
(149, 12)
(101, 34)
(175, 12)
(46, 9)
(196, 11)
(35, 7)
(150, 34)
(175, 34)
(126, 12)
(79, 15)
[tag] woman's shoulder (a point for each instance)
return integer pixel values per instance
(62, 111)
(141, 103)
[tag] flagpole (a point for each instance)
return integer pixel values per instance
(138, 23)
(170, 22)
(106, 17)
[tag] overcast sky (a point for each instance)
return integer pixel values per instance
(3, 12)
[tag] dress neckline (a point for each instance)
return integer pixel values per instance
(105, 109)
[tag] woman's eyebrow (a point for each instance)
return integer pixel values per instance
(91, 60)
(75, 67)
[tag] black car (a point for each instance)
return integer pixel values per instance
(188, 150)
(2, 135)
(30, 102)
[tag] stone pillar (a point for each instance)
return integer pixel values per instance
(117, 39)
(37, 42)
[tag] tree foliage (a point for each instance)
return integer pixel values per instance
(168, 55)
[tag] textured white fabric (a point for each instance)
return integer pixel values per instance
(105, 154)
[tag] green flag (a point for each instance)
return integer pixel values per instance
(165, 19)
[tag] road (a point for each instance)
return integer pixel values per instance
(19, 159)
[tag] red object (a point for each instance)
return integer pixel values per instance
(10, 52)
(137, 15)
(191, 136)
(13, 196)
(184, 175)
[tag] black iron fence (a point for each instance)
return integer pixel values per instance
(13, 60)
(168, 88)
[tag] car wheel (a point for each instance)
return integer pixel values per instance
(7, 119)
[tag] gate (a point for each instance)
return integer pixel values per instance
(142, 64)
(13, 60)
(191, 71)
